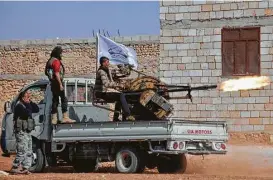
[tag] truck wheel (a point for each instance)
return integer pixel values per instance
(172, 164)
(38, 162)
(129, 161)
(84, 165)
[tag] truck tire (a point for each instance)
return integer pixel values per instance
(128, 160)
(84, 165)
(172, 164)
(38, 162)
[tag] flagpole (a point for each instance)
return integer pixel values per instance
(97, 45)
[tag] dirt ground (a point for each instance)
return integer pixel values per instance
(249, 157)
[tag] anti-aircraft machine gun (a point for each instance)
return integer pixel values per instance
(148, 96)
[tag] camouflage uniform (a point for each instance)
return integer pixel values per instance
(24, 150)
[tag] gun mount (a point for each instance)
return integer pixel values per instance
(148, 96)
(154, 96)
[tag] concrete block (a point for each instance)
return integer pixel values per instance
(253, 5)
(225, 7)
(164, 67)
(204, 79)
(189, 66)
(263, 4)
(186, 60)
(198, 39)
(206, 7)
(219, 14)
(204, 15)
(200, 32)
(206, 46)
(165, 40)
(162, 17)
(245, 113)
(164, 10)
(196, 73)
(195, 46)
(238, 13)
(196, 66)
(247, 128)
(216, 73)
(183, 9)
(173, 9)
(266, 65)
(194, 9)
(170, 17)
(259, 12)
(192, 32)
(201, 58)
(209, 31)
(266, 121)
(265, 37)
(175, 80)
(167, 32)
(248, 12)
(258, 127)
(266, 44)
(188, 39)
(262, 100)
(173, 53)
(178, 39)
(212, 15)
(194, 16)
(266, 30)
(265, 51)
(243, 5)
(216, 7)
(179, 16)
(265, 114)
(228, 14)
(233, 6)
(206, 38)
(207, 73)
(169, 46)
(183, 46)
(167, 73)
(173, 67)
(192, 53)
(183, 53)
(168, 3)
(187, 15)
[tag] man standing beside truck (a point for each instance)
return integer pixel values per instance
(55, 71)
(23, 125)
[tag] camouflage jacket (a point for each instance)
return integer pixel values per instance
(104, 81)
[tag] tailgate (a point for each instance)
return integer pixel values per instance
(199, 130)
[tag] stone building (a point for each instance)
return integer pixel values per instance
(208, 42)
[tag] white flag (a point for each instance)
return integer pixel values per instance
(117, 53)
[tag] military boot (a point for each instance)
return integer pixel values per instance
(54, 118)
(66, 119)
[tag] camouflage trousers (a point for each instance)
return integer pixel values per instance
(23, 150)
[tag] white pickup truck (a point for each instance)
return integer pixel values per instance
(94, 138)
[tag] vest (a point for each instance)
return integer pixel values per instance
(49, 71)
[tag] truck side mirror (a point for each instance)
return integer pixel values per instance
(7, 107)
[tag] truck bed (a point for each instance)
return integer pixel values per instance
(174, 129)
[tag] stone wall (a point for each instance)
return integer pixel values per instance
(190, 52)
(23, 61)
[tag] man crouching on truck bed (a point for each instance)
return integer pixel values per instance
(104, 82)
(55, 71)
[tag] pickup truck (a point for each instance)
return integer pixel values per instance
(95, 138)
